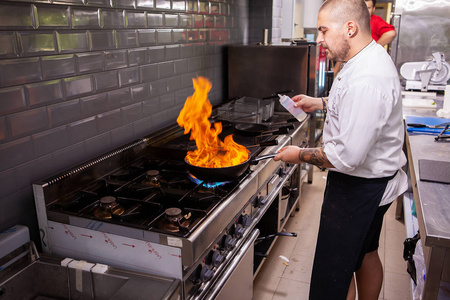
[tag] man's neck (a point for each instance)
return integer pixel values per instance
(358, 46)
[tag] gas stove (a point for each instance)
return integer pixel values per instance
(139, 208)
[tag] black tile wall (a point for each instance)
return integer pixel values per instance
(79, 78)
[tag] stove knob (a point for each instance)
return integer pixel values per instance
(261, 201)
(229, 243)
(239, 231)
(246, 220)
(206, 273)
(217, 258)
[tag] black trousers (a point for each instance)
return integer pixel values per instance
(349, 206)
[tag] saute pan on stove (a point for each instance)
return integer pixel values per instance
(224, 173)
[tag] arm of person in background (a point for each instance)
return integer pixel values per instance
(386, 37)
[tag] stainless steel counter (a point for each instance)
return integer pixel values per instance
(432, 202)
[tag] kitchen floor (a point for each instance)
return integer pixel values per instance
(280, 280)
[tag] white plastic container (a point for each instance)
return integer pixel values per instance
(287, 103)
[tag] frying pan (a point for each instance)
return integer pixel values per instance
(224, 173)
(254, 129)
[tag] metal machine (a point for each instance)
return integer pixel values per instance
(427, 75)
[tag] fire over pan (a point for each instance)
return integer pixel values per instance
(224, 173)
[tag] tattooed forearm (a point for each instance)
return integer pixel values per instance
(315, 156)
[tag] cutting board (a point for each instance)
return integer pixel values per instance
(426, 121)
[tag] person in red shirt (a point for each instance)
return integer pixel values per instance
(382, 32)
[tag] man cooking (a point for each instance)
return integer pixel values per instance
(362, 148)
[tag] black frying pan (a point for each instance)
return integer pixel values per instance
(253, 129)
(225, 173)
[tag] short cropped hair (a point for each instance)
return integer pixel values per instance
(342, 11)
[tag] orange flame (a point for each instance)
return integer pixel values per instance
(211, 152)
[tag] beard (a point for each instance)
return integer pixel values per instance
(340, 50)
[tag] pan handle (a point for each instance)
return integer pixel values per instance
(257, 159)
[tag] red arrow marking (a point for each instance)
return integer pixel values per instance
(89, 236)
(128, 245)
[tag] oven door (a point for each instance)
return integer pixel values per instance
(236, 281)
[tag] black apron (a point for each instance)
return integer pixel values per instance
(349, 206)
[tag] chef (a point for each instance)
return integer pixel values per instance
(362, 149)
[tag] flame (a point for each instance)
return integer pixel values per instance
(211, 152)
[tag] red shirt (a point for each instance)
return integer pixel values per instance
(378, 26)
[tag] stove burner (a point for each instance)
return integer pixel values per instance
(108, 207)
(153, 178)
(207, 185)
(174, 220)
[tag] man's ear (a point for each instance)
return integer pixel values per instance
(352, 28)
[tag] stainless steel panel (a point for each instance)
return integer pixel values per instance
(102, 40)
(106, 80)
(137, 56)
(126, 38)
(36, 43)
(69, 42)
(147, 37)
(58, 66)
(44, 92)
(8, 45)
(171, 20)
(19, 71)
(112, 19)
(164, 36)
(90, 62)
(78, 86)
(27, 122)
(14, 16)
(128, 76)
(136, 19)
(423, 29)
(115, 59)
(260, 71)
(12, 100)
(154, 20)
(52, 17)
(85, 18)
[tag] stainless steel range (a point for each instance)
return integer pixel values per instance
(138, 208)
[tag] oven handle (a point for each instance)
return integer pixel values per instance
(220, 282)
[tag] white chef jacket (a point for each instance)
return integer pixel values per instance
(363, 132)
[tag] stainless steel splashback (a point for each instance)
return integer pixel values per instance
(423, 27)
(260, 71)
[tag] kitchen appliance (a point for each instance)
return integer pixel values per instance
(26, 274)
(427, 75)
(138, 208)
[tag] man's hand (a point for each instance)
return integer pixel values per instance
(289, 154)
(307, 103)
